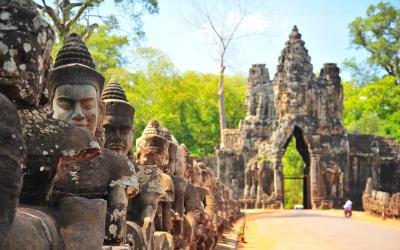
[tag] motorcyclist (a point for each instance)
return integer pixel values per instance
(348, 208)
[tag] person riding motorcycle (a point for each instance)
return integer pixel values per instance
(348, 208)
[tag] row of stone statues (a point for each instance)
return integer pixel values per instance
(66, 156)
(258, 185)
(380, 203)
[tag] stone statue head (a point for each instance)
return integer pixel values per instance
(180, 161)
(197, 175)
(189, 163)
(152, 146)
(151, 191)
(172, 149)
(26, 40)
(117, 119)
(208, 178)
(75, 86)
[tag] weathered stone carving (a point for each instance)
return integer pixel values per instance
(119, 132)
(118, 119)
(75, 89)
(26, 40)
(153, 149)
(380, 203)
(12, 160)
(80, 191)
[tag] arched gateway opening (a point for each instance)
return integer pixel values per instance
(296, 174)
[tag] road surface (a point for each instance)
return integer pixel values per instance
(319, 230)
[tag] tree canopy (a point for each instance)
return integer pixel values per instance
(378, 33)
(186, 103)
(65, 15)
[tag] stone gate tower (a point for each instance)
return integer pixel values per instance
(294, 103)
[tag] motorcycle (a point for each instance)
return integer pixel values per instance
(347, 213)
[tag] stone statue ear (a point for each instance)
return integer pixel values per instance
(100, 133)
(102, 108)
(133, 132)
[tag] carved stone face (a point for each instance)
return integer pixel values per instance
(180, 162)
(26, 41)
(119, 137)
(208, 180)
(172, 149)
(197, 177)
(78, 105)
(153, 151)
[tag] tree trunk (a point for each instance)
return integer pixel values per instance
(221, 103)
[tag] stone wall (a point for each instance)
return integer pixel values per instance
(376, 157)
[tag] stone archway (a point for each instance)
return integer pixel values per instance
(304, 152)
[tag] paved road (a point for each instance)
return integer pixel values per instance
(309, 230)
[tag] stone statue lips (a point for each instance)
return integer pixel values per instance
(115, 146)
(80, 124)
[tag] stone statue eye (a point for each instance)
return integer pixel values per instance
(89, 104)
(125, 130)
(64, 104)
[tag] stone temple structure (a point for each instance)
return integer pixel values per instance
(296, 103)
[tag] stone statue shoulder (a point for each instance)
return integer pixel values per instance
(122, 171)
(202, 192)
(149, 179)
(192, 198)
(12, 158)
(48, 141)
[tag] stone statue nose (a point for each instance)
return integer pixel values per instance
(118, 136)
(77, 115)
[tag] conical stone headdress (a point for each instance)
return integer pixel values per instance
(153, 128)
(118, 110)
(74, 65)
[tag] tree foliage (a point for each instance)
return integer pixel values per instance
(186, 103)
(293, 165)
(373, 109)
(65, 15)
(213, 19)
(378, 33)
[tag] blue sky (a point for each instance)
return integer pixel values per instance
(323, 25)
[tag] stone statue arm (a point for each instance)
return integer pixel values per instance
(12, 156)
(117, 204)
(123, 185)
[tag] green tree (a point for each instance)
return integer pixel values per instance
(374, 108)
(293, 165)
(379, 34)
(66, 14)
(185, 103)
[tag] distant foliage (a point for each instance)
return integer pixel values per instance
(373, 108)
(293, 165)
(378, 33)
(185, 103)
